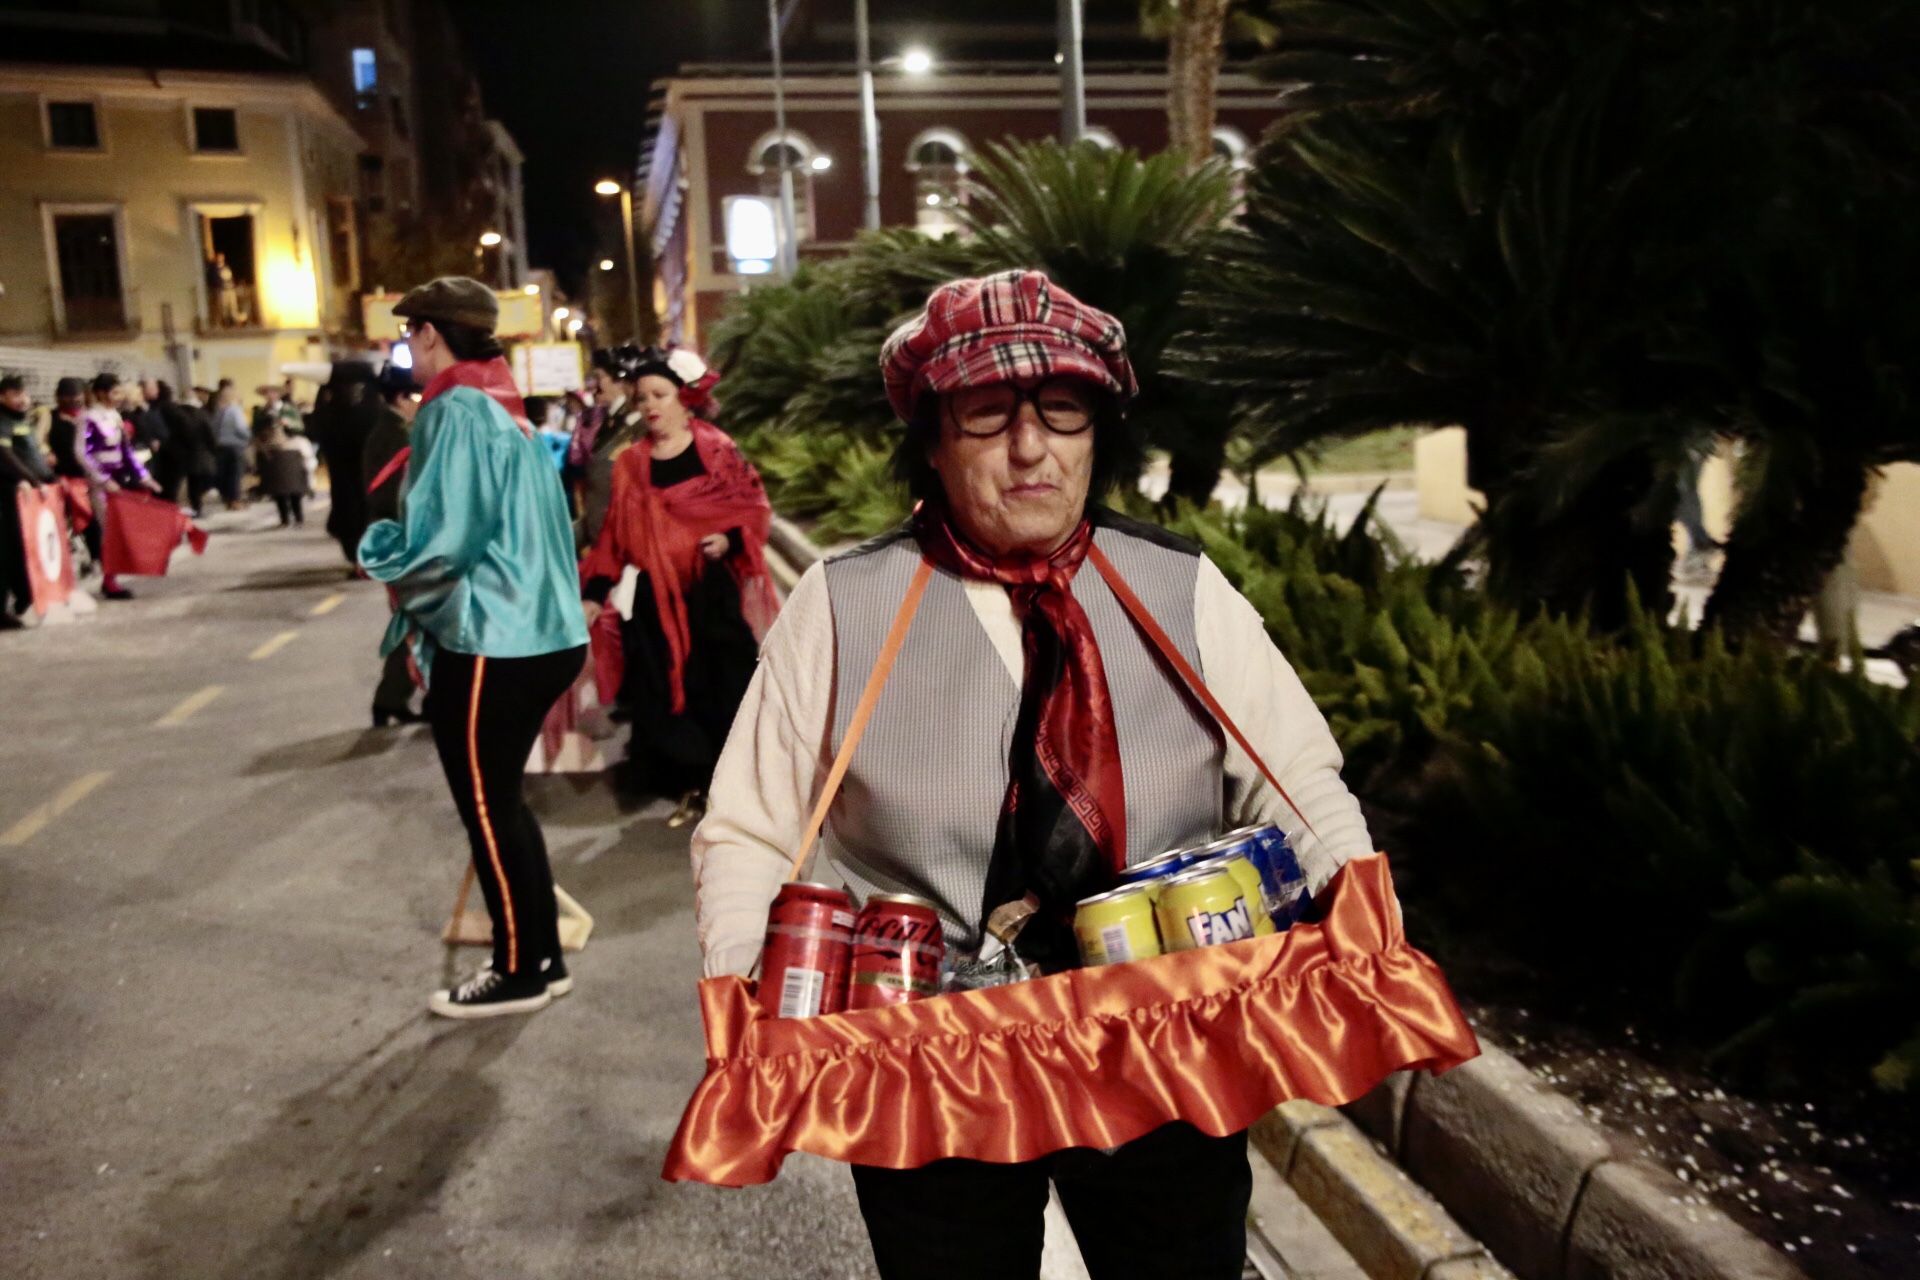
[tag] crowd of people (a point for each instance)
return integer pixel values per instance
(102, 434)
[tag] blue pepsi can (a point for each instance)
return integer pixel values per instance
(1156, 869)
(1280, 875)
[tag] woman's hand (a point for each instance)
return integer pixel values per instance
(714, 546)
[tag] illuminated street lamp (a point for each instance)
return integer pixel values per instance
(489, 239)
(574, 326)
(820, 164)
(611, 187)
(561, 313)
(531, 290)
(916, 62)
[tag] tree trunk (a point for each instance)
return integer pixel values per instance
(1779, 555)
(1194, 50)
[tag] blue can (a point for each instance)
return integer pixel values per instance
(1280, 874)
(1157, 868)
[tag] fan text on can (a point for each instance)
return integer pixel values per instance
(1203, 907)
(803, 970)
(1241, 868)
(1116, 926)
(897, 948)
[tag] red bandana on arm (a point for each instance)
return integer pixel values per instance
(1064, 696)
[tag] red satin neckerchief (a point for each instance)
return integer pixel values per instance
(491, 376)
(1077, 742)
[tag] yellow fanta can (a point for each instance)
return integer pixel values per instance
(1116, 926)
(1203, 907)
(1247, 876)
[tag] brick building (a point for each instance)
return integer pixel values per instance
(992, 77)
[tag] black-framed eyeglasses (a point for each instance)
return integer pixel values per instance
(1065, 407)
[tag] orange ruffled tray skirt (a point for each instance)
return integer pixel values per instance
(1089, 1058)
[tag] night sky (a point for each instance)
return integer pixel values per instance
(569, 79)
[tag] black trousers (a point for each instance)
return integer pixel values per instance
(289, 505)
(1169, 1206)
(485, 714)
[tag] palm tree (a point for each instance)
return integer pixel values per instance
(1130, 236)
(1547, 224)
(1196, 32)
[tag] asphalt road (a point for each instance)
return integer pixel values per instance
(220, 900)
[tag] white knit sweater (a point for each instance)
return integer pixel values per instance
(779, 753)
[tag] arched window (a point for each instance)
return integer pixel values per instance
(1230, 144)
(763, 162)
(938, 161)
(1101, 138)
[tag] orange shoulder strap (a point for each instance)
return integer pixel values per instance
(897, 637)
(863, 711)
(1175, 659)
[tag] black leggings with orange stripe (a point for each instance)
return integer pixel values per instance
(486, 713)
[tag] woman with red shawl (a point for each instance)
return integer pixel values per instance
(676, 584)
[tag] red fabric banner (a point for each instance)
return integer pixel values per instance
(142, 532)
(43, 528)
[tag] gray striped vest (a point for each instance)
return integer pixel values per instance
(922, 798)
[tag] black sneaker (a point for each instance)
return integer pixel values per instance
(490, 994)
(559, 981)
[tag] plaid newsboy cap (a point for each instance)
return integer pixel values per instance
(1000, 328)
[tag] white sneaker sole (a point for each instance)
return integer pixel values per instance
(443, 1003)
(560, 987)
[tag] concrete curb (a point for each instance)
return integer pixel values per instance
(1554, 1195)
(1388, 1224)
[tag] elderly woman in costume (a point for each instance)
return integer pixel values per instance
(1029, 741)
(680, 561)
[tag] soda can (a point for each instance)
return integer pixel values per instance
(1203, 907)
(1286, 884)
(803, 968)
(897, 948)
(1116, 926)
(1240, 866)
(1157, 869)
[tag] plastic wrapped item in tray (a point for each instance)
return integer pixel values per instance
(998, 961)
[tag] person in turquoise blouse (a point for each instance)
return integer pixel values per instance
(485, 589)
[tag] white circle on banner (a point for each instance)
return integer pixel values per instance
(46, 537)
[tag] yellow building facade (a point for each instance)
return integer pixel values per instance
(190, 226)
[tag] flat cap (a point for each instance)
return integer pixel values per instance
(1002, 328)
(455, 299)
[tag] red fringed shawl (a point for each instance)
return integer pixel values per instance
(658, 531)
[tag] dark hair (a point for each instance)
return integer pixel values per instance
(105, 382)
(1116, 448)
(12, 382)
(162, 392)
(466, 341)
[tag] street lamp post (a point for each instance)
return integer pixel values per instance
(607, 187)
(789, 250)
(1073, 79)
(869, 118)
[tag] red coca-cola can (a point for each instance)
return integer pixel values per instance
(897, 947)
(803, 969)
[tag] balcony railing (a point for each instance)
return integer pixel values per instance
(231, 308)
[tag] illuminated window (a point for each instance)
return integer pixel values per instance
(937, 159)
(764, 163)
(366, 79)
